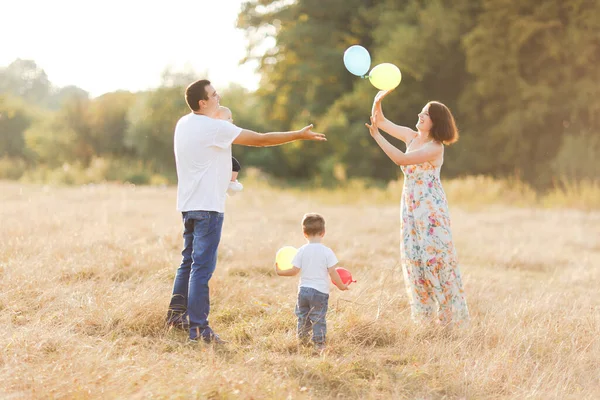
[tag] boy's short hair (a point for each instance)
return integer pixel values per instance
(313, 224)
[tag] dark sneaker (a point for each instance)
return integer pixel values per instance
(213, 338)
(320, 347)
(182, 325)
(207, 336)
(178, 323)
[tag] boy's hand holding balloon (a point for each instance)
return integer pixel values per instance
(345, 278)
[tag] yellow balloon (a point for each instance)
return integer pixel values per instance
(285, 256)
(385, 76)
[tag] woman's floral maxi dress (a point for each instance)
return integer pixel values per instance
(429, 263)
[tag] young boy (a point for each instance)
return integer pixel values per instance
(225, 114)
(316, 264)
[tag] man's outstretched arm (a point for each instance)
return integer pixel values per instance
(251, 138)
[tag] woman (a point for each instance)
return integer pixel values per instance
(429, 262)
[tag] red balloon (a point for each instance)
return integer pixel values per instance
(345, 275)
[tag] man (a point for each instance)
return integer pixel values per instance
(202, 147)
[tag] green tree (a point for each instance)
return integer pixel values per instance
(151, 123)
(24, 78)
(303, 74)
(534, 67)
(304, 77)
(65, 135)
(424, 39)
(50, 141)
(108, 123)
(14, 121)
(61, 95)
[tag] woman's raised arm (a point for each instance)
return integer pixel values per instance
(399, 132)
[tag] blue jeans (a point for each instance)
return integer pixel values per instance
(190, 299)
(311, 310)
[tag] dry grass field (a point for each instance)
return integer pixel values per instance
(86, 275)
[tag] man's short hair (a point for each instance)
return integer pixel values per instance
(313, 224)
(195, 92)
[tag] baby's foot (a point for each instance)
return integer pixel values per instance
(234, 187)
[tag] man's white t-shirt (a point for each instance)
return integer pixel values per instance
(202, 148)
(314, 260)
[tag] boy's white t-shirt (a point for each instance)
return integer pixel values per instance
(202, 148)
(314, 260)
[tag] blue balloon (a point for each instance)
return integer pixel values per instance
(357, 60)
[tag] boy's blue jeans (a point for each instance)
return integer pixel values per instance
(311, 310)
(201, 237)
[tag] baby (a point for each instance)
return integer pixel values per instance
(225, 114)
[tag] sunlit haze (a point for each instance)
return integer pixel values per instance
(111, 45)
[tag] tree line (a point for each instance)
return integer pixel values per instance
(520, 76)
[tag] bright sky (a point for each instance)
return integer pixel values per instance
(103, 46)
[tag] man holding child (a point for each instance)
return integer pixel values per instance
(202, 146)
